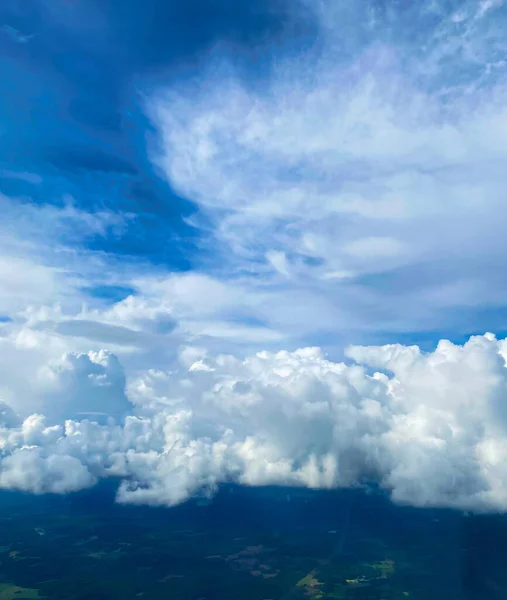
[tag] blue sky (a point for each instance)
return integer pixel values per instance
(100, 155)
(206, 206)
(101, 108)
(72, 78)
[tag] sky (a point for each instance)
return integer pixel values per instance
(259, 242)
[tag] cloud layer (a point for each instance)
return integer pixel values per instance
(430, 428)
(344, 192)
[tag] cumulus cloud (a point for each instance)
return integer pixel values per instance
(66, 386)
(355, 189)
(430, 428)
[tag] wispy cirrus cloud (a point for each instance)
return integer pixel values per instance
(367, 171)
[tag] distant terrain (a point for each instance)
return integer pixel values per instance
(247, 544)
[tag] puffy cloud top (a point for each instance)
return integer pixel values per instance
(431, 428)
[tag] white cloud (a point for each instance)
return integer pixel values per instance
(430, 428)
(279, 261)
(41, 261)
(22, 280)
(69, 386)
(29, 470)
(359, 189)
(379, 154)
